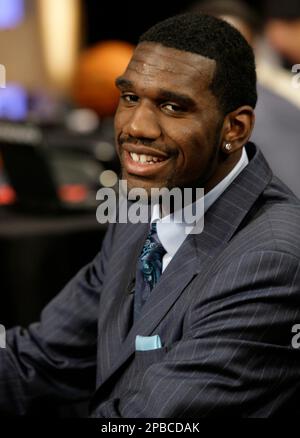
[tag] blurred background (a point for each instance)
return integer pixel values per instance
(61, 58)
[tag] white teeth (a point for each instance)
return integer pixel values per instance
(144, 159)
(135, 157)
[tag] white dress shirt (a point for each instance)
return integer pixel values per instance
(172, 234)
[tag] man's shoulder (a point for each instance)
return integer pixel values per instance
(274, 224)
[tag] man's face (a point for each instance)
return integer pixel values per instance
(168, 121)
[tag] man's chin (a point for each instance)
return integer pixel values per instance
(133, 189)
(138, 183)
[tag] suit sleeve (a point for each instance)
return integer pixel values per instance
(236, 358)
(55, 359)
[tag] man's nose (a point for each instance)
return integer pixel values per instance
(143, 122)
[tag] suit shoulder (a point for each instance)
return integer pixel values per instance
(275, 225)
(284, 222)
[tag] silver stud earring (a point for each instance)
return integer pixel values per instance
(228, 147)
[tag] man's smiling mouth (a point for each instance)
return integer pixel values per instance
(145, 159)
(143, 164)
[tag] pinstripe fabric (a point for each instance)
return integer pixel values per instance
(223, 308)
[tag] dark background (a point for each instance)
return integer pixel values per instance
(128, 20)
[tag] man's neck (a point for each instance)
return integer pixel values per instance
(223, 170)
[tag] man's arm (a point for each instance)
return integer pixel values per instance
(236, 358)
(55, 359)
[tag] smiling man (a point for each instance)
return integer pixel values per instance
(170, 125)
(169, 324)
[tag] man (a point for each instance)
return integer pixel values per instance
(204, 328)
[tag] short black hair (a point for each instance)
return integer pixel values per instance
(234, 82)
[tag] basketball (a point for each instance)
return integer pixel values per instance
(94, 81)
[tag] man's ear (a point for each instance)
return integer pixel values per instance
(237, 128)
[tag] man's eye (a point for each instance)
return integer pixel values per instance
(172, 108)
(129, 98)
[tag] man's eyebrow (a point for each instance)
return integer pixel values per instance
(181, 99)
(122, 82)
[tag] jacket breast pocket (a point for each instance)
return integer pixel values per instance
(144, 359)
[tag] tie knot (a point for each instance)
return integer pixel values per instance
(153, 244)
(153, 228)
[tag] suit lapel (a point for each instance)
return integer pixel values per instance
(195, 256)
(116, 305)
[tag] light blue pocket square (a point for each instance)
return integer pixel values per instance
(146, 343)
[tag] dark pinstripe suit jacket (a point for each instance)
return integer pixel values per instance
(224, 309)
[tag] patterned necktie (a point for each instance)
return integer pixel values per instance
(151, 257)
(149, 269)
